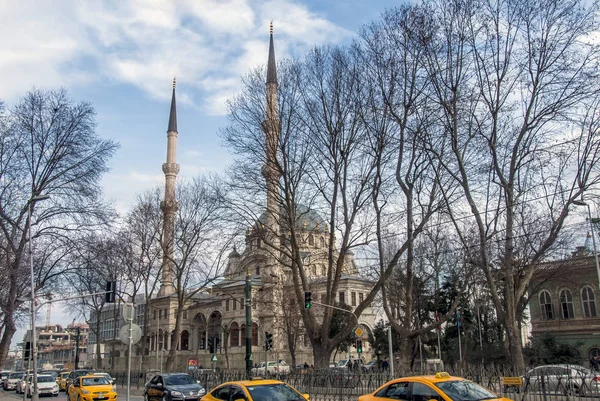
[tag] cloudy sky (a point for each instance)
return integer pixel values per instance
(122, 55)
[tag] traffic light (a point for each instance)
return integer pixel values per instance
(307, 299)
(26, 352)
(211, 345)
(111, 292)
(268, 341)
(359, 346)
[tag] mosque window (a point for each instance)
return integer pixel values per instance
(322, 242)
(226, 305)
(361, 297)
(353, 296)
(154, 315)
(185, 314)
(342, 296)
(258, 243)
(314, 270)
(311, 240)
(323, 271)
(566, 304)
(254, 334)
(235, 335)
(546, 309)
(323, 298)
(234, 302)
(258, 270)
(242, 303)
(589, 303)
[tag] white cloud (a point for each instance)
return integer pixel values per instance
(207, 44)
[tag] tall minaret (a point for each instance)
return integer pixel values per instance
(271, 130)
(169, 205)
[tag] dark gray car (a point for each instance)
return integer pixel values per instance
(173, 387)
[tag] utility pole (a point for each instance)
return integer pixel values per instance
(248, 323)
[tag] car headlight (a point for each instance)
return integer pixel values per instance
(55, 387)
(84, 391)
(177, 393)
(114, 388)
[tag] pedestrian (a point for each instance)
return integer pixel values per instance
(355, 366)
(385, 365)
(595, 363)
(306, 365)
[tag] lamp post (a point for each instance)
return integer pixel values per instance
(582, 203)
(34, 393)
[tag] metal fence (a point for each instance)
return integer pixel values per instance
(330, 385)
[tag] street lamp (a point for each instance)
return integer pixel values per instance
(34, 393)
(582, 203)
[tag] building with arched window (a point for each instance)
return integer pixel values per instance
(563, 302)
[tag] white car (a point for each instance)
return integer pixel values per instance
(46, 385)
(273, 368)
(13, 378)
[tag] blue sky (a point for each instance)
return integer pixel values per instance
(122, 55)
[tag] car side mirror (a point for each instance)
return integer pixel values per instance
(159, 384)
(114, 381)
(198, 381)
(306, 396)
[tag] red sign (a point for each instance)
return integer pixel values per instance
(192, 362)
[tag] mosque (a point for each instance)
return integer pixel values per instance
(213, 329)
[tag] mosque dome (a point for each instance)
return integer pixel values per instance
(306, 218)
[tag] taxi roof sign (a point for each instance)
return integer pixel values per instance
(442, 375)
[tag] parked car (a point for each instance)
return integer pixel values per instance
(92, 388)
(74, 375)
(13, 378)
(350, 363)
(21, 384)
(562, 379)
(46, 385)
(173, 387)
(272, 368)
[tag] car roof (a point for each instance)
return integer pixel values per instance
(257, 382)
(429, 378)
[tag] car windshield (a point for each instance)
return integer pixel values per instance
(274, 392)
(94, 381)
(45, 379)
(82, 373)
(64, 375)
(342, 363)
(16, 375)
(464, 390)
(179, 380)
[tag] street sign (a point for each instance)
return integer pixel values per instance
(128, 311)
(136, 334)
(359, 332)
(214, 358)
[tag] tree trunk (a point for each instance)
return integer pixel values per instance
(405, 355)
(321, 356)
(515, 348)
(174, 339)
(7, 335)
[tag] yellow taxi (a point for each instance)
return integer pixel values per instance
(62, 380)
(254, 390)
(92, 388)
(441, 387)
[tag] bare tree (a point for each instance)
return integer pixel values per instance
(48, 146)
(511, 80)
(199, 243)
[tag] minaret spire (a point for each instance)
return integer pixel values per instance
(169, 205)
(271, 130)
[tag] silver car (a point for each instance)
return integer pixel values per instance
(562, 379)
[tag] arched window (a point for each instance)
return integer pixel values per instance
(314, 270)
(593, 352)
(323, 271)
(234, 335)
(311, 240)
(185, 340)
(546, 309)
(589, 302)
(258, 270)
(566, 305)
(254, 334)
(322, 242)
(160, 340)
(117, 353)
(243, 335)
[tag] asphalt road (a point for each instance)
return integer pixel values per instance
(62, 396)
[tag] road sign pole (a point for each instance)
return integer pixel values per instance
(248, 323)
